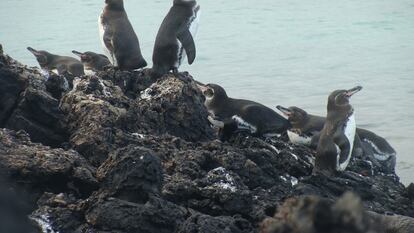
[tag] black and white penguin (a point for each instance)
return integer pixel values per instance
(118, 38)
(306, 131)
(337, 136)
(378, 147)
(93, 62)
(57, 64)
(175, 38)
(237, 114)
(304, 125)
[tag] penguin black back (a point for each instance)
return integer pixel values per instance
(93, 61)
(251, 116)
(118, 37)
(175, 38)
(337, 136)
(61, 64)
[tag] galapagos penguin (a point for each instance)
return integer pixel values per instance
(57, 64)
(175, 38)
(336, 140)
(93, 62)
(240, 114)
(118, 38)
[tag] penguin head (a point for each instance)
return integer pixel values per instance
(340, 98)
(295, 115)
(87, 57)
(42, 56)
(213, 93)
(115, 4)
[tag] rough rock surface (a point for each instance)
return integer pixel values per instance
(133, 154)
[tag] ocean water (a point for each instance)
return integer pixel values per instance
(271, 51)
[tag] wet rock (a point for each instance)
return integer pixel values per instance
(43, 168)
(313, 214)
(26, 104)
(132, 83)
(57, 85)
(91, 109)
(208, 224)
(132, 174)
(347, 214)
(160, 165)
(156, 215)
(170, 106)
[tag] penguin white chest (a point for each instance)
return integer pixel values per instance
(244, 125)
(298, 139)
(349, 132)
(193, 28)
(102, 28)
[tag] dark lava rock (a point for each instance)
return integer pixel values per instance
(26, 105)
(346, 215)
(91, 110)
(132, 174)
(142, 157)
(171, 106)
(207, 224)
(43, 168)
(157, 215)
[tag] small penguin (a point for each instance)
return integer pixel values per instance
(58, 64)
(337, 136)
(379, 148)
(93, 62)
(118, 38)
(238, 114)
(175, 38)
(304, 125)
(306, 131)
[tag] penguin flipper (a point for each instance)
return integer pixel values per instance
(345, 151)
(186, 39)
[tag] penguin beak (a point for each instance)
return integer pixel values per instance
(201, 86)
(284, 110)
(77, 53)
(353, 91)
(32, 50)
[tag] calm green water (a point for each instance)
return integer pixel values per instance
(275, 52)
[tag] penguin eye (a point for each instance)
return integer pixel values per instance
(209, 92)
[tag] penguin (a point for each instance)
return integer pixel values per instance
(304, 125)
(118, 38)
(379, 148)
(306, 131)
(239, 114)
(93, 62)
(175, 38)
(58, 64)
(336, 140)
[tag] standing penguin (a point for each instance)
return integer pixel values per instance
(93, 62)
(337, 136)
(118, 37)
(58, 64)
(175, 38)
(231, 115)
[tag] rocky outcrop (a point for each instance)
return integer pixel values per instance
(121, 152)
(25, 104)
(346, 215)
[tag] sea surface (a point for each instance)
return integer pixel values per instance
(272, 51)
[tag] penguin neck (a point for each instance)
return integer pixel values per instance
(337, 116)
(185, 2)
(115, 7)
(216, 104)
(300, 124)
